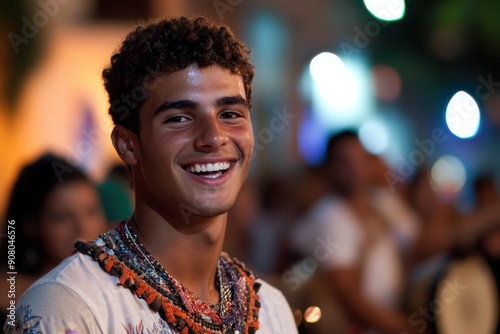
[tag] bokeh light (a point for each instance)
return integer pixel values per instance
(312, 138)
(333, 81)
(448, 175)
(462, 115)
(312, 314)
(387, 10)
(374, 136)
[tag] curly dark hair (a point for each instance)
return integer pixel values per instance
(164, 47)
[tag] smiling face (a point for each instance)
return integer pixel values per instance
(194, 148)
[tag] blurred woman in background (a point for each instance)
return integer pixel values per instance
(53, 204)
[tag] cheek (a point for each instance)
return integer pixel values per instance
(245, 140)
(162, 148)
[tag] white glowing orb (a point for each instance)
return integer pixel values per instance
(448, 175)
(334, 83)
(374, 137)
(462, 115)
(387, 10)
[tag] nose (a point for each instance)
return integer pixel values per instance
(211, 134)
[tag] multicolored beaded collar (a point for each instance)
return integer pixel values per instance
(120, 254)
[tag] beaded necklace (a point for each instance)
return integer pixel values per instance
(121, 254)
(188, 297)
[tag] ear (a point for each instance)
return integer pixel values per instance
(123, 142)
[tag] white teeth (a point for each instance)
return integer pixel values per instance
(212, 176)
(215, 167)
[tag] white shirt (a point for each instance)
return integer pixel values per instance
(334, 236)
(403, 221)
(78, 297)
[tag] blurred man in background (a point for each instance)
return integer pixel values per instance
(363, 274)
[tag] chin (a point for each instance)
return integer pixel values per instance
(210, 209)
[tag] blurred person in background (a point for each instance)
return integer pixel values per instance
(390, 203)
(53, 205)
(452, 246)
(358, 258)
(443, 228)
(486, 195)
(372, 238)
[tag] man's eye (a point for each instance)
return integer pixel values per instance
(176, 119)
(230, 114)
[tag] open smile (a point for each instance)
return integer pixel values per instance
(211, 173)
(210, 170)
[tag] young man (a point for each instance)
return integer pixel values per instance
(180, 93)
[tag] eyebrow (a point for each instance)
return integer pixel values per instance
(190, 104)
(181, 104)
(231, 101)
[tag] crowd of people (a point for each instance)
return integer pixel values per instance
(340, 238)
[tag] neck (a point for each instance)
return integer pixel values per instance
(188, 250)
